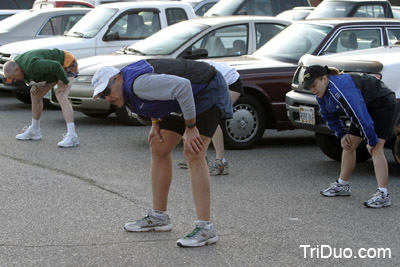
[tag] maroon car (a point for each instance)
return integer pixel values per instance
(267, 74)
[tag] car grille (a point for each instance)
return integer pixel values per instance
(4, 58)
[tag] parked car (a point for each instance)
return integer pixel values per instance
(199, 38)
(267, 74)
(297, 13)
(61, 3)
(16, 4)
(104, 29)
(5, 13)
(253, 7)
(352, 8)
(302, 106)
(200, 7)
(34, 24)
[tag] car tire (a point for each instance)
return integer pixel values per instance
(331, 147)
(22, 95)
(247, 125)
(97, 115)
(123, 117)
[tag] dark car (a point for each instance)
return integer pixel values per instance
(267, 74)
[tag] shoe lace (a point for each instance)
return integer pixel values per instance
(194, 232)
(377, 195)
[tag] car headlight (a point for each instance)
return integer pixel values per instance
(84, 79)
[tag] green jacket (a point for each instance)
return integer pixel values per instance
(43, 65)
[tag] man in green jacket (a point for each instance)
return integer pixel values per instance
(46, 68)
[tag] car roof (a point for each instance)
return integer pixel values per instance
(211, 21)
(350, 21)
(144, 4)
(59, 10)
(360, 1)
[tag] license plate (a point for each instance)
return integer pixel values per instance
(307, 115)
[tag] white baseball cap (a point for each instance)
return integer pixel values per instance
(102, 77)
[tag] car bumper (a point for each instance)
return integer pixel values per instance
(7, 86)
(293, 102)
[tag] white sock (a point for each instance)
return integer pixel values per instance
(158, 213)
(384, 190)
(71, 128)
(35, 124)
(343, 182)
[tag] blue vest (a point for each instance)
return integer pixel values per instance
(149, 108)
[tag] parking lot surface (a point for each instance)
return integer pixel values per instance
(67, 207)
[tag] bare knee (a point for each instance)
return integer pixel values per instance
(158, 149)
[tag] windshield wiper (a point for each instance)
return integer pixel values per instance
(135, 51)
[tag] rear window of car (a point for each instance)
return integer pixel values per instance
(10, 23)
(175, 15)
(16, 4)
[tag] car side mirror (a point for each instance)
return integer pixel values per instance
(111, 36)
(196, 54)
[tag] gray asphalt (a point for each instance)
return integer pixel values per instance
(67, 207)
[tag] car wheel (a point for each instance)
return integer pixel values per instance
(97, 115)
(247, 125)
(23, 95)
(330, 146)
(123, 116)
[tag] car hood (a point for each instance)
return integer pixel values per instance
(88, 66)
(251, 62)
(61, 42)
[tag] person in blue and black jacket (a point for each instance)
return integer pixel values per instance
(371, 106)
(185, 99)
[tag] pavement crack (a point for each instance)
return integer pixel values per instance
(66, 173)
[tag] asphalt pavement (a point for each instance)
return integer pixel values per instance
(67, 207)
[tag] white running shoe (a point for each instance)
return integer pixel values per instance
(336, 189)
(150, 223)
(378, 200)
(203, 234)
(69, 140)
(29, 134)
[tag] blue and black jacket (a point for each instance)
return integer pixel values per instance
(208, 87)
(355, 95)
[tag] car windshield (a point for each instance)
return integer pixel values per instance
(169, 39)
(92, 22)
(331, 10)
(224, 8)
(12, 22)
(293, 42)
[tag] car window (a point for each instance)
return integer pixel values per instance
(58, 25)
(137, 25)
(328, 9)
(372, 11)
(226, 41)
(76, 5)
(355, 39)
(168, 39)
(203, 9)
(92, 22)
(16, 4)
(265, 31)
(294, 41)
(175, 15)
(394, 35)
(256, 7)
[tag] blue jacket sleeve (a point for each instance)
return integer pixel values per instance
(333, 121)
